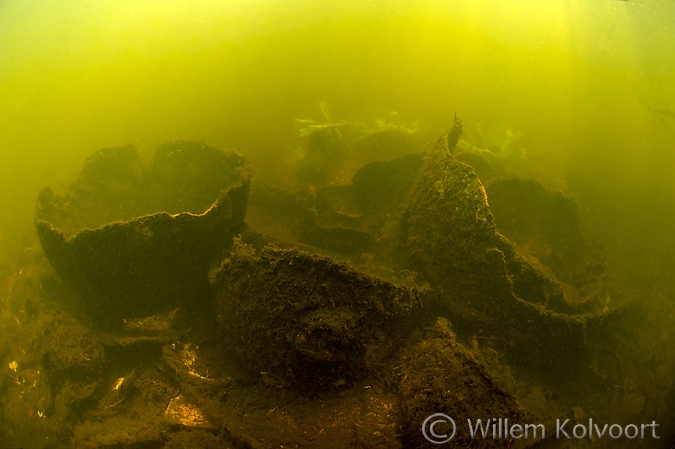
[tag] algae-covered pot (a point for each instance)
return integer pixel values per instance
(486, 278)
(132, 241)
(308, 320)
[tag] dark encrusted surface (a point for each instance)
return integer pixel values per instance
(442, 376)
(545, 224)
(307, 319)
(134, 242)
(333, 356)
(482, 279)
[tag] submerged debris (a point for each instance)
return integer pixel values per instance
(440, 374)
(427, 288)
(487, 283)
(134, 242)
(307, 319)
(498, 142)
(181, 412)
(334, 149)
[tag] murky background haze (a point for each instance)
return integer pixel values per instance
(590, 84)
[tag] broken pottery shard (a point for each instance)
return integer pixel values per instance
(135, 242)
(181, 412)
(545, 225)
(440, 374)
(307, 319)
(453, 240)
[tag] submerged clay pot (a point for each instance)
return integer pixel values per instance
(307, 320)
(487, 284)
(134, 242)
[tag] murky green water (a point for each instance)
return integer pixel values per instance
(576, 95)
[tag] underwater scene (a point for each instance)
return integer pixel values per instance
(350, 224)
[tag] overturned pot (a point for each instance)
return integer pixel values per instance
(132, 241)
(309, 321)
